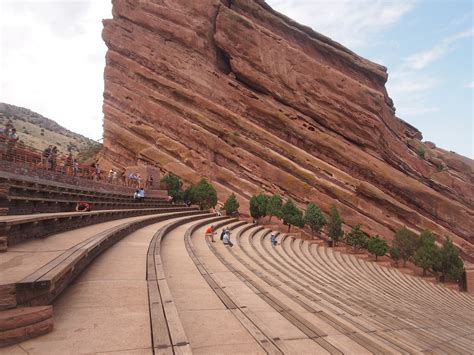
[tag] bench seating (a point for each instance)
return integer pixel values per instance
(15, 229)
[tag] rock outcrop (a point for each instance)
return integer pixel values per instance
(240, 94)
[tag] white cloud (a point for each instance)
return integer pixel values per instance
(470, 85)
(422, 59)
(355, 24)
(52, 60)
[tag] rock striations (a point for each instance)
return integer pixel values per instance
(238, 93)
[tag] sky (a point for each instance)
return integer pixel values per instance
(52, 58)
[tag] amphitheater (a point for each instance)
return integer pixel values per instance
(142, 278)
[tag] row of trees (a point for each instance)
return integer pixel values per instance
(407, 246)
(421, 249)
(203, 193)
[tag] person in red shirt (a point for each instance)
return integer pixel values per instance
(83, 206)
(210, 232)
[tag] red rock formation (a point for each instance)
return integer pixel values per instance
(237, 92)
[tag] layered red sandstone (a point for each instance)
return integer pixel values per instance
(240, 94)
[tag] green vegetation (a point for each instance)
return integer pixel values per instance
(377, 246)
(395, 255)
(450, 263)
(406, 242)
(231, 205)
(420, 152)
(356, 238)
(427, 255)
(204, 194)
(291, 215)
(275, 203)
(258, 206)
(314, 218)
(334, 226)
(174, 186)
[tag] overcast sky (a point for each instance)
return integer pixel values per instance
(52, 57)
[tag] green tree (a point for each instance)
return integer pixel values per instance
(274, 206)
(377, 246)
(406, 242)
(291, 215)
(205, 194)
(258, 206)
(231, 205)
(174, 186)
(188, 194)
(357, 238)
(395, 255)
(314, 218)
(450, 263)
(335, 225)
(427, 255)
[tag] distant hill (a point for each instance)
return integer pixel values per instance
(38, 132)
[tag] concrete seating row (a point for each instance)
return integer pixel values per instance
(26, 302)
(16, 229)
(332, 296)
(402, 306)
(16, 205)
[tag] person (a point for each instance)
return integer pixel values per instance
(224, 230)
(114, 177)
(53, 158)
(11, 142)
(97, 171)
(123, 177)
(75, 167)
(110, 175)
(218, 211)
(226, 239)
(68, 164)
(187, 203)
(45, 156)
(139, 194)
(169, 199)
(83, 206)
(149, 181)
(210, 232)
(273, 240)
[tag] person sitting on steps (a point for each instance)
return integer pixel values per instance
(210, 233)
(226, 239)
(273, 240)
(83, 206)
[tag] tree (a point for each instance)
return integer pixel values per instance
(258, 206)
(406, 242)
(427, 255)
(395, 255)
(205, 194)
(357, 238)
(377, 247)
(231, 205)
(274, 206)
(450, 264)
(188, 194)
(174, 186)
(335, 225)
(314, 218)
(291, 215)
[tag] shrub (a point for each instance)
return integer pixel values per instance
(357, 238)
(335, 225)
(174, 186)
(291, 215)
(450, 264)
(231, 205)
(406, 242)
(274, 206)
(420, 152)
(377, 246)
(314, 218)
(395, 255)
(258, 206)
(188, 194)
(205, 194)
(427, 255)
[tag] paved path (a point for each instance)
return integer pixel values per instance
(209, 325)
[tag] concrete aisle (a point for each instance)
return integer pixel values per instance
(209, 325)
(106, 309)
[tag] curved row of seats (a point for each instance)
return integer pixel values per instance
(296, 297)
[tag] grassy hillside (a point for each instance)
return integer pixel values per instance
(38, 132)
